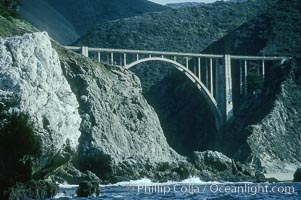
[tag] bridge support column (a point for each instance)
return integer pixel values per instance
(98, 57)
(217, 68)
(199, 69)
(112, 58)
(211, 76)
(246, 78)
(263, 69)
(224, 99)
(187, 61)
(207, 75)
(85, 51)
(124, 59)
(240, 78)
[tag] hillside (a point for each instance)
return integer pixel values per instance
(85, 14)
(44, 17)
(182, 5)
(272, 33)
(189, 29)
(66, 20)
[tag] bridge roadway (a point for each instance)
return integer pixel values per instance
(217, 86)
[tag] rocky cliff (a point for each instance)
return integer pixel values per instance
(78, 109)
(270, 137)
(120, 131)
(39, 113)
(31, 77)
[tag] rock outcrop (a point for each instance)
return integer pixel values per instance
(297, 175)
(121, 134)
(215, 166)
(32, 78)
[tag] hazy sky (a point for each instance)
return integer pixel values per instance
(178, 1)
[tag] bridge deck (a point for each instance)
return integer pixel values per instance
(167, 53)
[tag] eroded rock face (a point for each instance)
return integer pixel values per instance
(216, 166)
(119, 129)
(31, 76)
(275, 141)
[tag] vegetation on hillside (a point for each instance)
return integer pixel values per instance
(276, 32)
(9, 8)
(188, 29)
(85, 14)
(184, 117)
(13, 27)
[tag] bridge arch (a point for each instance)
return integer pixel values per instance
(204, 91)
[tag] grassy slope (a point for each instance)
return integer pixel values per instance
(14, 27)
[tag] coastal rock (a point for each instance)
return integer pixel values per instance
(30, 69)
(33, 190)
(275, 140)
(87, 189)
(39, 119)
(297, 175)
(119, 129)
(215, 166)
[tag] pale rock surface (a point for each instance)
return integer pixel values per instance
(30, 70)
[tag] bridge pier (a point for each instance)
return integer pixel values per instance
(246, 78)
(224, 97)
(85, 51)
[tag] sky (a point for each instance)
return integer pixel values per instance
(179, 1)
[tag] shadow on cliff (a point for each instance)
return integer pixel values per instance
(251, 110)
(184, 114)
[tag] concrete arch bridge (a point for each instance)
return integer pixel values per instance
(209, 72)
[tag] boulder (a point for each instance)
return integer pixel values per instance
(33, 190)
(215, 166)
(297, 175)
(88, 189)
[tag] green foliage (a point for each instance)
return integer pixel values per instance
(85, 14)
(11, 27)
(276, 32)
(9, 8)
(188, 29)
(18, 144)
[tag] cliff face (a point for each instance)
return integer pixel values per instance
(275, 141)
(269, 137)
(31, 77)
(76, 108)
(119, 129)
(39, 119)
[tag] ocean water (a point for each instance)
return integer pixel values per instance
(192, 188)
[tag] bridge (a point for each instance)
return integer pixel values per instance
(210, 73)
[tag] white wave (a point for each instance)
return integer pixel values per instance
(67, 186)
(62, 195)
(145, 181)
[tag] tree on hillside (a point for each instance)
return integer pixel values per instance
(10, 8)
